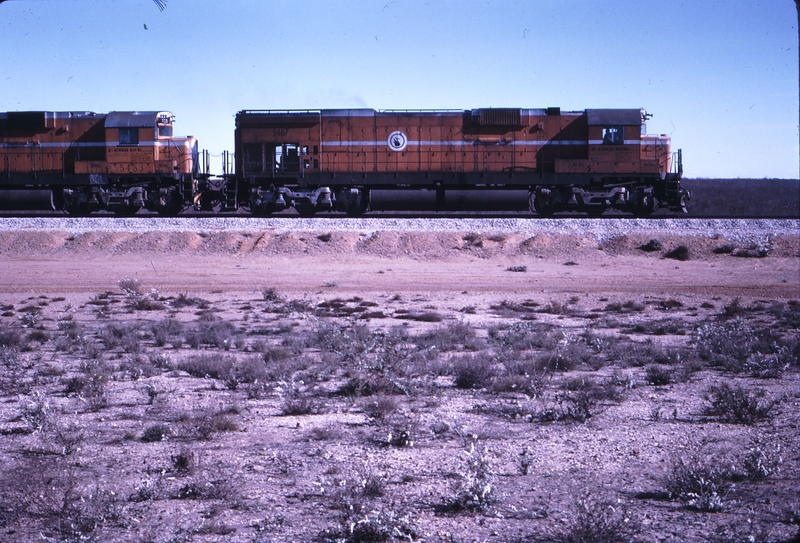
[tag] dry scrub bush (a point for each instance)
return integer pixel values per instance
(37, 412)
(475, 489)
(736, 346)
(166, 331)
(206, 424)
(124, 336)
(701, 483)
(208, 365)
(597, 522)
(156, 432)
(56, 501)
(13, 372)
(658, 375)
(450, 337)
(473, 370)
(213, 331)
(739, 404)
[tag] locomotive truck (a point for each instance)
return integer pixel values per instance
(349, 160)
(82, 162)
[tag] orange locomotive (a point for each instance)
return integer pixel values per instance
(350, 160)
(544, 159)
(83, 162)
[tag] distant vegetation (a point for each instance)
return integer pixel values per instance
(744, 197)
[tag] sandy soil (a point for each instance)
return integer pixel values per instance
(442, 264)
(266, 476)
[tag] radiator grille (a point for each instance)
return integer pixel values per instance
(500, 117)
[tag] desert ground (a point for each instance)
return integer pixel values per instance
(444, 386)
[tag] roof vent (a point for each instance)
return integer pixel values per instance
(499, 117)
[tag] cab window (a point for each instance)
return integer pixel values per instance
(129, 136)
(613, 135)
(165, 130)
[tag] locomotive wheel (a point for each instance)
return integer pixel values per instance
(354, 202)
(174, 205)
(544, 205)
(644, 206)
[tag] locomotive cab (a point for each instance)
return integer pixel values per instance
(144, 166)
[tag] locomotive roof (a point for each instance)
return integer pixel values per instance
(135, 119)
(595, 116)
(626, 117)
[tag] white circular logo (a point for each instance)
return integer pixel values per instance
(397, 141)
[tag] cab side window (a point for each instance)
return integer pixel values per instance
(129, 136)
(613, 135)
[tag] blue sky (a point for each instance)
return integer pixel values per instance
(720, 77)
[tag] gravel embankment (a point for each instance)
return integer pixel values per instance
(733, 229)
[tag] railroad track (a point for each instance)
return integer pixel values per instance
(292, 215)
